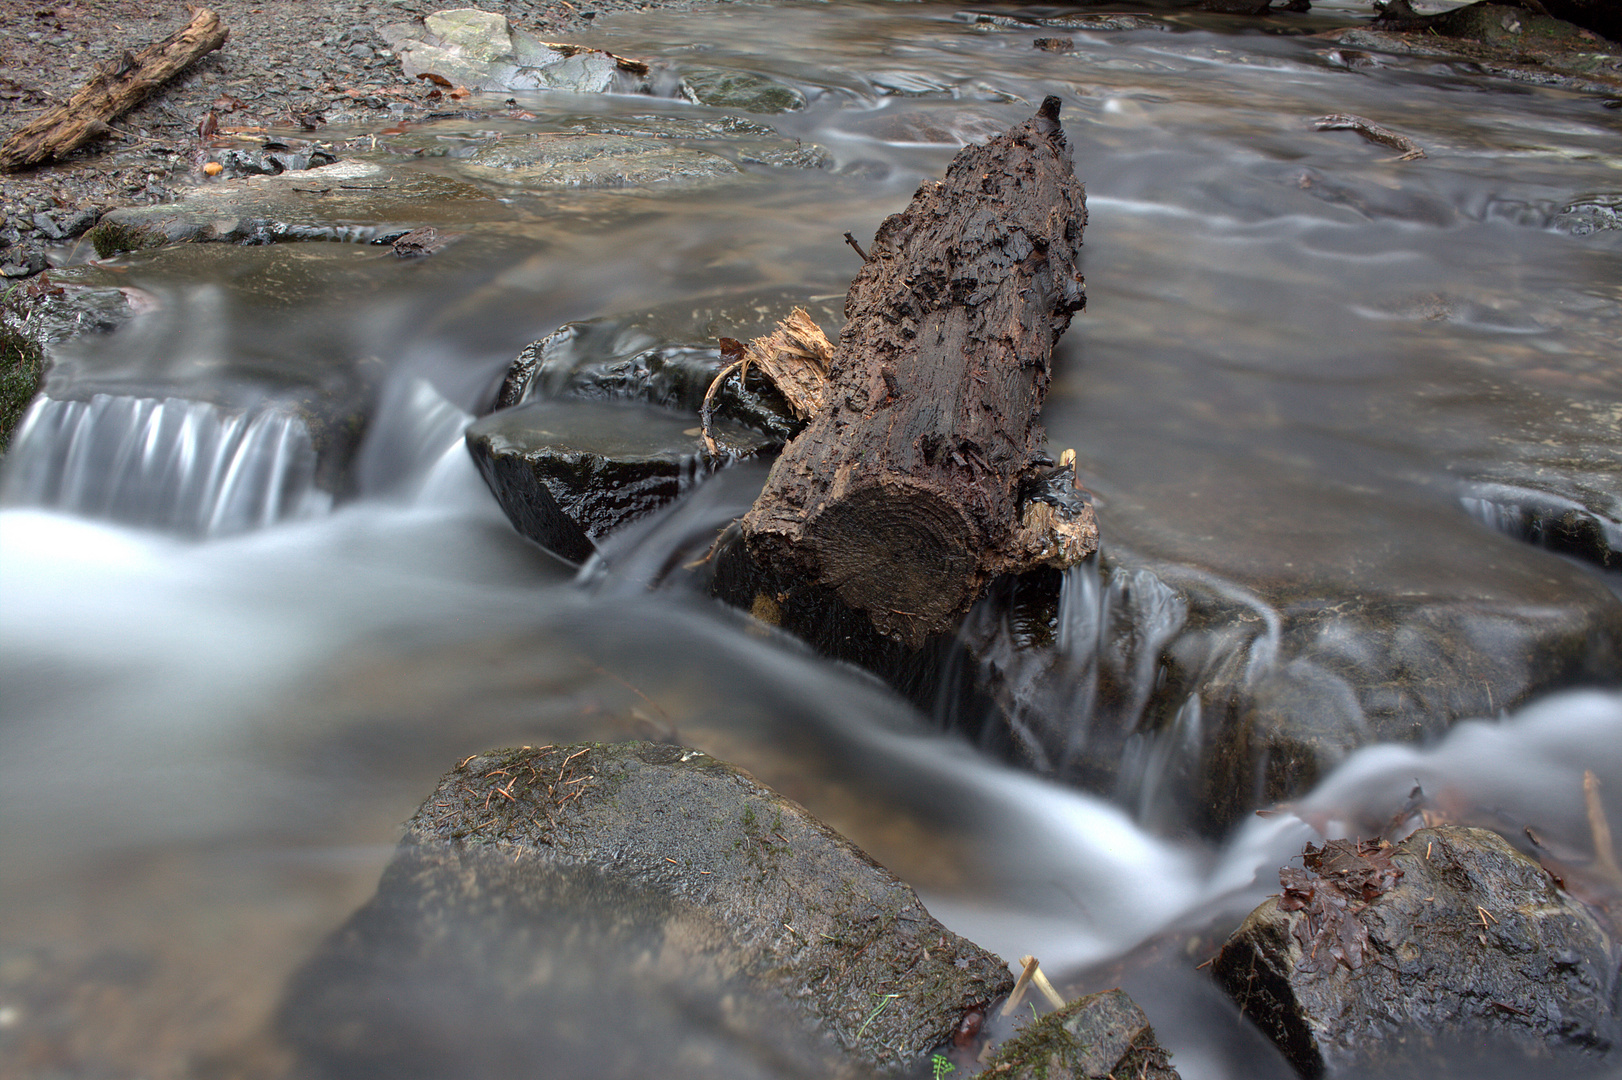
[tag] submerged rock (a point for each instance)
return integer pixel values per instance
(570, 472)
(1199, 684)
(1458, 949)
(729, 934)
(727, 88)
(1098, 1037)
(351, 200)
(595, 161)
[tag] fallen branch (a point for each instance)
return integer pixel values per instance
(1371, 131)
(114, 90)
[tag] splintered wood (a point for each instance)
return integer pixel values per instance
(793, 358)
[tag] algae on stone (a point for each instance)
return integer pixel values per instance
(1098, 1037)
(727, 900)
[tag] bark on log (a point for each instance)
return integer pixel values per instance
(114, 90)
(903, 495)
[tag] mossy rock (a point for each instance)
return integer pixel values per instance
(729, 933)
(726, 88)
(113, 237)
(22, 372)
(1099, 1037)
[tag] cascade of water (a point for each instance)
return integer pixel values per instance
(182, 466)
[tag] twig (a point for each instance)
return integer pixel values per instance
(1604, 849)
(1021, 986)
(1372, 132)
(851, 240)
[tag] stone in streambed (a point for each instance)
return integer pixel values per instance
(481, 51)
(1097, 1037)
(569, 472)
(627, 911)
(351, 200)
(595, 161)
(1473, 955)
(727, 88)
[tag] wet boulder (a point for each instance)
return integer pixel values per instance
(481, 51)
(570, 472)
(728, 88)
(1097, 1037)
(626, 911)
(1449, 950)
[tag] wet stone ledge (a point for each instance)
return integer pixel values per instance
(539, 890)
(570, 472)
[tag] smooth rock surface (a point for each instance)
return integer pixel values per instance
(481, 51)
(570, 472)
(768, 945)
(728, 88)
(595, 161)
(1473, 955)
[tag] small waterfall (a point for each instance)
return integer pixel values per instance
(181, 466)
(1548, 520)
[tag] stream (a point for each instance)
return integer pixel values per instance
(1312, 392)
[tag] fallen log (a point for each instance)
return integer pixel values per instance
(116, 88)
(903, 495)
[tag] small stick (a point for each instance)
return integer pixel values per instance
(851, 240)
(1604, 849)
(1372, 132)
(1021, 986)
(1042, 983)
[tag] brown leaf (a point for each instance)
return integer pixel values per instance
(208, 126)
(437, 80)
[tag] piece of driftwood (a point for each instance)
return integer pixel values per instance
(1371, 131)
(903, 495)
(116, 88)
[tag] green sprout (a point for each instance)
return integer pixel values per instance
(880, 1008)
(941, 1066)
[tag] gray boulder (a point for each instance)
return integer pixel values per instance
(629, 910)
(481, 51)
(595, 161)
(1452, 948)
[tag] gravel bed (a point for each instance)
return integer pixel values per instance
(287, 64)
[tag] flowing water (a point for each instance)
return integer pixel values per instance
(1307, 376)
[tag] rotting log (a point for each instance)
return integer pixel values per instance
(116, 88)
(903, 495)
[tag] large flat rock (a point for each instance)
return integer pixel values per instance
(539, 890)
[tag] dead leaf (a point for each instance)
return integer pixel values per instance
(437, 80)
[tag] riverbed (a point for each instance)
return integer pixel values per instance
(1313, 387)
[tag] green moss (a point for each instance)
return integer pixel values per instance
(111, 237)
(22, 371)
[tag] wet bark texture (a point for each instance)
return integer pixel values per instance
(113, 91)
(903, 495)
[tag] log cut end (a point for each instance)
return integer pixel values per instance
(905, 554)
